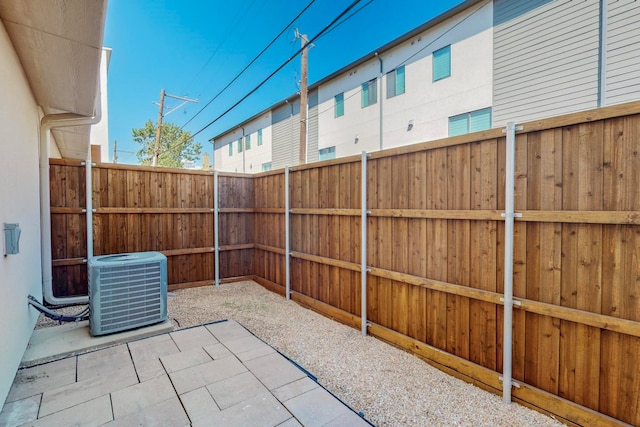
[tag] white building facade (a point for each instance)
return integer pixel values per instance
(245, 149)
(418, 83)
(403, 93)
(477, 66)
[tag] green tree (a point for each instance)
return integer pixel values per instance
(175, 145)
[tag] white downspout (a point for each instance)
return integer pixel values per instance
(49, 122)
(381, 99)
(243, 145)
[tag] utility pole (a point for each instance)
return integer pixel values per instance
(156, 150)
(161, 114)
(115, 151)
(303, 95)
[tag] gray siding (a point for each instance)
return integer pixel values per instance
(546, 58)
(622, 74)
(285, 120)
(312, 129)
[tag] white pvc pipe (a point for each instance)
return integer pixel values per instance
(602, 65)
(287, 242)
(49, 122)
(508, 263)
(89, 201)
(363, 245)
(381, 118)
(216, 228)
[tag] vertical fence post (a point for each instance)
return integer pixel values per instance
(216, 227)
(363, 244)
(509, 216)
(287, 241)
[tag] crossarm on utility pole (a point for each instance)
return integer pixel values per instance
(161, 114)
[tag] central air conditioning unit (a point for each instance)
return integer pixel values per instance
(127, 291)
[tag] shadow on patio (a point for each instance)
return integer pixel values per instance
(214, 374)
(390, 386)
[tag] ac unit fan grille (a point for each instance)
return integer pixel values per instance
(129, 296)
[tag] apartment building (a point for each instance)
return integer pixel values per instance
(477, 66)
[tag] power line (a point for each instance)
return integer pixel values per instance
(250, 63)
(255, 89)
(410, 56)
(293, 64)
(322, 33)
(355, 12)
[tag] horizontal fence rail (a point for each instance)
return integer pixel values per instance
(409, 245)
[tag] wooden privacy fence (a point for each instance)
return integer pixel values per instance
(148, 209)
(435, 239)
(434, 250)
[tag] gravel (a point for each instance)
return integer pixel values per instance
(390, 386)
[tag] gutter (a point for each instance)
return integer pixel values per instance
(49, 122)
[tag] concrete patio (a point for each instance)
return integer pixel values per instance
(215, 374)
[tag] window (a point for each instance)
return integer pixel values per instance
(266, 167)
(240, 145)
(247, 142)
(473, 121)
(442, 63)
(259, 137)
(327, 153)
(369, 93)
(230, 149)
(339, 105)
(395, 82)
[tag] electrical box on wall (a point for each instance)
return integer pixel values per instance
(11, 238)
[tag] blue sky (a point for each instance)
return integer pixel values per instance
(194, 48)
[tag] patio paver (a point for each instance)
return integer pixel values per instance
(316, 408)
(217, 351)
(263, 410)
(274, 370)
(187, 339)
(185, 359)
(104, 362)
(227, 331)
(199, 404)
(291, 422)
(141, 395)
(205, 374)
(293, 389)
(146, 355)
(90, 413)
(20, 411)
(231, 391)
(82, 391)
(36, 380)
(217, 374)
(162, 414)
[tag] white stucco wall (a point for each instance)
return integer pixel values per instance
(100, 132)
(429, 104)
(248, 161)
(20, 275)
